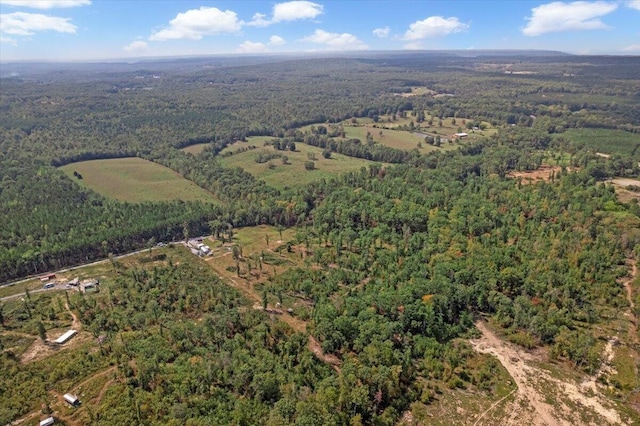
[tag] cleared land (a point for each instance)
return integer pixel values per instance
(399, 139)
(136, 180)
(606, 140)
(195, 149)
(292, 174)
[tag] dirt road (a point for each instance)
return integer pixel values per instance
(542, 399)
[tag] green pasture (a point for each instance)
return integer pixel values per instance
(608, 141)
(135, 180)
(195, 149)
(292, 174)
(398, 139)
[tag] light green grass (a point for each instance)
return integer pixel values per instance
(605, 140)
(398, 139)
(294, 175)
(195, 149)
(238, 146)
(136, 180)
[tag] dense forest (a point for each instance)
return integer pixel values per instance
(394, 262)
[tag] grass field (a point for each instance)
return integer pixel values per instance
(292, 174)
(606, 140)
(195, 149)
(399, 139)
(136, 180)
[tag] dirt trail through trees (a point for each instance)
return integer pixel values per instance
(293, 322)
(542, 399)
(630, 313)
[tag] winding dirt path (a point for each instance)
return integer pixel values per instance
(293, 322)
(541, 399)
(75, 324)
(630, 312)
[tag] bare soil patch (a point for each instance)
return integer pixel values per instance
(541, 398)
(543, 173)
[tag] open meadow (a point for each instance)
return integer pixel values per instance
(292, 174)
(135, 180)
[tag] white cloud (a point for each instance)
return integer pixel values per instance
(632, 48)
(26, 24)
(136, 46)
(634, 4)
(558, 16)
(196, 23)
(46, 4)
(382, 32)
(344, 41)
(288, 11)
(295, 10)
(434, 26)
(8, 40)
(259, 20)
(275, 40)
(251, 47)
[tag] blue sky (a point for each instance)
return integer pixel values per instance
(109, 29)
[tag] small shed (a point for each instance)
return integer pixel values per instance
(47, 277)
(89, 286)
(47, 422)
(66, 336)
(460, 135)
(71, 399)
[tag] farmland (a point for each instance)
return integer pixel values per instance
(195, 149)
(293, 174)
(135, 180)
(605, 140)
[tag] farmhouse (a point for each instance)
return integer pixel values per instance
(460, 135)
(65, 337)
(47, 422)
(71, 399)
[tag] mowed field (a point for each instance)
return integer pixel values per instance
(294, 173)
(195, 149)
(398, 139)
(136, 180)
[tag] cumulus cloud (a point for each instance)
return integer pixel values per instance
(634, 4)
(196, 23)
(136, 46)
(344, 41)
(251, 47)
(575, 16)
(288, 11)
(434, 26)
(382, 32)
(26, 24)
(275, 40)
(46, 4)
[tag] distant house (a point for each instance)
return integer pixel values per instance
(47, 422)
(460, 135)
(47, 277)
(89, 286)
(71, 399)
(65, 337)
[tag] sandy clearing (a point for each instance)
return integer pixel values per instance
(530, 405)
